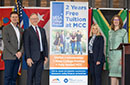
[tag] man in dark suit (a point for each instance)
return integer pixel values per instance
(13, 49)
(36, 50)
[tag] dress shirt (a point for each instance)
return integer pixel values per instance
(16, 29)
(39, 33)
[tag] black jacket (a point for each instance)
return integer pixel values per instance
(98, 49)
(32, 44)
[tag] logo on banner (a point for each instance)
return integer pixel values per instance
(74, 80)
(58, 14)
(66, 80)
(56, 80)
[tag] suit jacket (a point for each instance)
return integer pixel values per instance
(11, 42)
(98, 49)
(32, 44)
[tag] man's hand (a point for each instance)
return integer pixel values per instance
(98, 62)
(30, 62)
(18, 55)
(46, 59)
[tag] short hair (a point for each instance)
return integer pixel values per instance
(120, 22)
(13, 12)
(95, 25)
(33, 14)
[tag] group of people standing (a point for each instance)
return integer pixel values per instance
(32, 42)
(63, 41)
(96, 58)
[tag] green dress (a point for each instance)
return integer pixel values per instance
(115, 38)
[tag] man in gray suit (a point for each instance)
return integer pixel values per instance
(13, 49)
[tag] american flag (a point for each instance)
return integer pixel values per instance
(19, 9)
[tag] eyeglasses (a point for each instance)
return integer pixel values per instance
(115, 19)
(34, 18)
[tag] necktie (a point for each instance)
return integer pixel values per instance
(37, 33)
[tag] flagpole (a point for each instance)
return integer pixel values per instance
(15, 1)
(128, 20)
(128, 16)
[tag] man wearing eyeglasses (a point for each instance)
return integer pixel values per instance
(36, 50)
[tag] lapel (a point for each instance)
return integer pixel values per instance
(13, 32)
(89, 39)
(41, 32)
(21, 32)
(95, 41)
(34, 33)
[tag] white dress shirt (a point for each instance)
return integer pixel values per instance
(39, 33)
(17, 34)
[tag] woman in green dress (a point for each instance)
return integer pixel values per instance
(117, 35)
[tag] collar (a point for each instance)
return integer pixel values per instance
(13, 25)
(34, 26)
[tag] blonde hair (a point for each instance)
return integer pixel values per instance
(95, 25)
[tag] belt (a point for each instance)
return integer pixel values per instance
(112, 49)
(41, 52)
